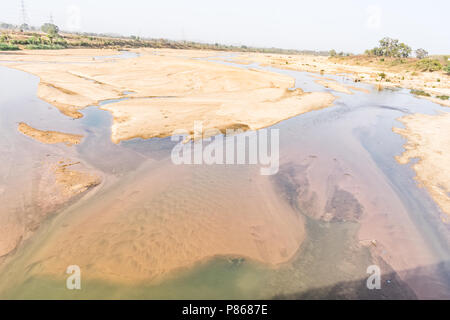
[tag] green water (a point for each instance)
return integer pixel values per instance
(325, 259)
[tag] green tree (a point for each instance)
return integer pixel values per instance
(389, 47)
(332, 53)
(50, 29)
(403, 51)
(24, 26)
(421, 53)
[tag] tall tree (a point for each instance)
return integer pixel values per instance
(421, 53)
(50, 29)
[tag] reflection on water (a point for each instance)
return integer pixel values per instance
(349, 145)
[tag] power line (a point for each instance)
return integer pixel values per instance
(24, 12)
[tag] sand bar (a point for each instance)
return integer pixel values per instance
(49, 137)
(169, 86)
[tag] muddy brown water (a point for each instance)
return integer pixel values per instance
(341, 157)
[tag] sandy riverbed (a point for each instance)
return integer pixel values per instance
(168, 91)
(134, 235)
(57, 183)
(186, 90)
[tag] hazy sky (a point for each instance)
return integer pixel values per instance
(348, 25)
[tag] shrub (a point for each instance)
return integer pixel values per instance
(8, 47)
(442, 97)
(420, 93)
(429, 65)
(4, 38)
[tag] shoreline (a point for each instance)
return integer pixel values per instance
(434, 83)
(425, 139)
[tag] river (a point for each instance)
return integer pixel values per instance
(342, 156)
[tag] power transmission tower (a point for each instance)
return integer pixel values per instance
(24, 12)
(51, 18)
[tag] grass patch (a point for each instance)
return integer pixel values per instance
(45, 47)
(8, 47)
(442, 97)
(420, 93)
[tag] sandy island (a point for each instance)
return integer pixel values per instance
(428, 138)
(169, 90)
(49, 137)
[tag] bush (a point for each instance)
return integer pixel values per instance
(8, 47)
(45, 47)
(442, 97)
(420, 93)
(429, 65)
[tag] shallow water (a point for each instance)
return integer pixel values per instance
(353, 138)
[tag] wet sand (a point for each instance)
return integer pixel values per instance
(334, 85)
(428, 139)
(54, 185)
(164, 218)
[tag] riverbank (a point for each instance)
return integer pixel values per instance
(428, 139)
(368, 70)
